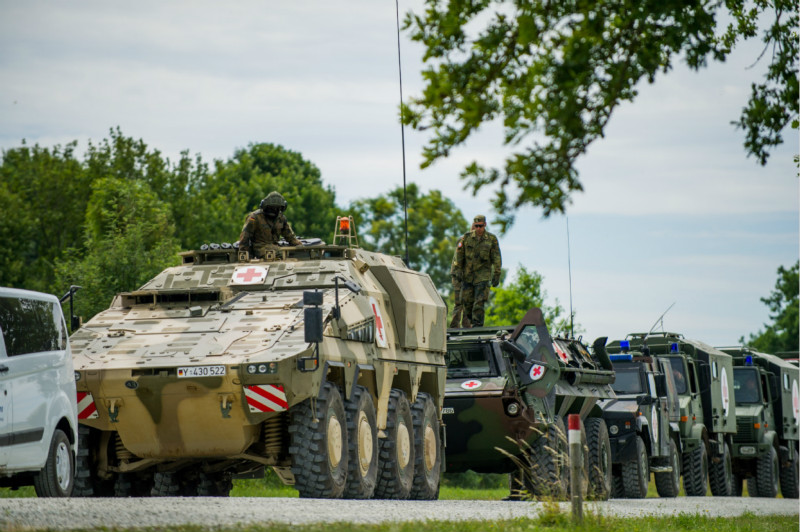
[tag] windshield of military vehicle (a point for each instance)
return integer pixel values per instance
(678, 374)
(470, 361)
(627, 381)
(528, 339)
(745, 386)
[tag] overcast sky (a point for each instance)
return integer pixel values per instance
(673, 211)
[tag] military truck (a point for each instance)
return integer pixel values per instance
(707, 421)
(765, 447)
(643, 423)
(509, 390)
(324, 362)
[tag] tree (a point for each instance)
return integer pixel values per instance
(782, 334)
(434, 226)
(554, 71)
(508, 304)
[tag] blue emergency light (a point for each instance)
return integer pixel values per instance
(673, 347)
(748, 360)
(626, 357)
(625, 346)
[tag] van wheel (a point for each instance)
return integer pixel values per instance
(549, 459)
(319, 445)
(427, 449)
(396, 451)
(767, 474)
(362, 436)
(789, 480)
(57, 477)
(636, 473)
(720, 473)
(695, 471)
(669, 484)
(599, 459)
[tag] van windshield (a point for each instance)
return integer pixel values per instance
(628, 381)
(470, 361)
(745, 386)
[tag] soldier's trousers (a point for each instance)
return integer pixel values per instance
(474, 297)
(460, 318)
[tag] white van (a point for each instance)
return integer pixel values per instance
(38, 410)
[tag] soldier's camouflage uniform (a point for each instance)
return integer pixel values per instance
(460, 318)
(478, 262)
(259, 231)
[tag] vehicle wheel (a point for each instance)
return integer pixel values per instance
(57, 477)
(736, 485)
(166, 484)
(695, 471)
(617, 488)
(719, 474)
(427, 449)
(767, 474)
(636, 473)
(788, 477)
(133, 485)
(362, 436)
(599, 459)
(669, 484)
(87, 484)
(218, 484)
(319, 446)
(396, 451)
(549, 459)
(516, 486)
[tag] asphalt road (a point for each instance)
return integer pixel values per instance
(65, 514)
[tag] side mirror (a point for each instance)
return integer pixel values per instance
(661, 384)
(313, 324)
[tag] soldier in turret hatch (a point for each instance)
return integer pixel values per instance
(266, 226)
(479, 263)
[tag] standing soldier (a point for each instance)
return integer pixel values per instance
(265, 226)
(478, 259)
(460, 318)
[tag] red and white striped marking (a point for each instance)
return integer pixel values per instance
(86, 406)
(560, 352)
(266, 398)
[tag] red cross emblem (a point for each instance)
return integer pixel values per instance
(471, 385)
(380, 331)
(537, 372)
(249, 275)
(561, 354)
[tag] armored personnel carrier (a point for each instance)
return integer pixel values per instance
(509, 390)
(707, 421)
(765, 447)
(324, 362)
(643, 422)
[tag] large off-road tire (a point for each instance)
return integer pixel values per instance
(695, 471)
(319, 446)
(87, 483)
(788, 477)
(516, 486)
(427, 449)
(720, 474)
(737, 485)
(669, 484)
(362, 437)
(133, 485)
(636, 473)
(217, 484)
(617, 487)
(166, 484)
(549, 459)
(599, 459)
(396, 451)
(57, 477)
(767, 474)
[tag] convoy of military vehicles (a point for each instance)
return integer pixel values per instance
(333, 366)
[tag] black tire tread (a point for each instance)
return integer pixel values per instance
(596, 437)
(634, 480)
(392, 485)
(217, 484)
(788, 480)
(669, 484)
(695, 471)
(356, 487)
(548, 474)
(719, 476)
(424, 488)
(766, 482)
(44, 482)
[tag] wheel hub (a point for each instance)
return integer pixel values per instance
(63, 466)
(430, 448)
(403, 446)
(365, 443)
(334, 441)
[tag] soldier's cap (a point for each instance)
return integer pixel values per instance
(480, 219)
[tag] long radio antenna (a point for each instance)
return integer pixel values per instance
(402, 128)
(569, 269)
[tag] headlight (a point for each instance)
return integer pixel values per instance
(512, 409)
(262, 369)
(613, 429)
(77, 376)
(251, 368)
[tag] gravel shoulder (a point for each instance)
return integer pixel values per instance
(66, 514)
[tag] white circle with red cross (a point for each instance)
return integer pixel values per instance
(380, 328)
(536, 372)
(726, 399)
(654, 420)
(472, 384)
(795, 402)
(249, 275)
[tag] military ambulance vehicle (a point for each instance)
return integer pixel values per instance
(643, 424)
(702, 376)
(765, 447)
(509, 390)
(324, 362)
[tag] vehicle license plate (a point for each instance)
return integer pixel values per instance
(201, 371)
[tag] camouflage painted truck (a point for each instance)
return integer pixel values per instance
(643, 423)
(509, 390)
(702, 377)
(765, 447)
(324, 362)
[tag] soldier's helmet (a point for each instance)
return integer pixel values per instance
(273, 204)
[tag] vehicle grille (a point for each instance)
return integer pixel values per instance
(745, 432)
